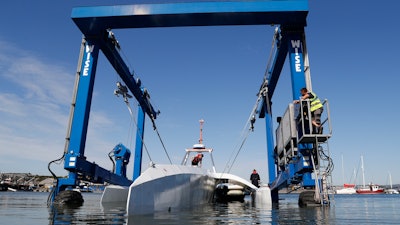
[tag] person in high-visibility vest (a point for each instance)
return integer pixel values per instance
(316, 108)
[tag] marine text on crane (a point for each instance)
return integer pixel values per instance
(88, 51)
(296, 46)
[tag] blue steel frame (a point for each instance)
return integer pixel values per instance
(94, 23)
(137, 166)
(291, 44)
(94, 20)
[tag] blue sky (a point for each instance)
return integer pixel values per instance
(193, 73)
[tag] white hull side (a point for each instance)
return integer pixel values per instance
(391, 191)
(346, 191)
(115, 194)
(227, 192)
(263, 197)
(234, 178)
(169, 188)
(234, 189)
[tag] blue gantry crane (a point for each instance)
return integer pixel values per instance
(291, 163)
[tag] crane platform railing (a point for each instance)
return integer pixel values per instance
(307, 131)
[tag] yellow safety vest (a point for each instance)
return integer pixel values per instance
(315, 103)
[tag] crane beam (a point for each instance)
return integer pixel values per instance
(93, 20)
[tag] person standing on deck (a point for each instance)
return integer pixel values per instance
(255, 178)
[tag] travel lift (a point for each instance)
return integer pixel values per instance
(297, 155)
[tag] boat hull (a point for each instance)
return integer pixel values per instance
(370, 190)
(165, 188)
(346, 191)
(261, 196)
(391, 191)
(115, 194)
(226, 192)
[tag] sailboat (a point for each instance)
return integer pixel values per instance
(347, 188)
(372, 188)
(391, 190)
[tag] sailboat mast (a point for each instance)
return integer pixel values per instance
(343, 181)
(362, 170)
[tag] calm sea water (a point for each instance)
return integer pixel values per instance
(31, 208)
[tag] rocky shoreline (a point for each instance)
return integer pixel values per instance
(25, 182)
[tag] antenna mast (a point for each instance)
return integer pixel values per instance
(201, 131)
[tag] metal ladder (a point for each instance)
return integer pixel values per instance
(320, 154)
(322, 172)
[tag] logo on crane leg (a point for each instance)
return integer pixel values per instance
(297, 61)
(88, 51)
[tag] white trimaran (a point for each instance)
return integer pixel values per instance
(169, 187)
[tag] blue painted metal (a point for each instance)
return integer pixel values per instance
(294, 43)
(76, 149)
(93, 20)
(277, 179)
(82, 105)
(122, 155)
(307, 180)
(277, 65)
(298, 171)
(270, 145)
(75, 161)
(84, 170)
(137, 166)
(111, 52)
(296, 60)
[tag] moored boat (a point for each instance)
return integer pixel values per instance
(391, 190)
(347, 189)
(370, 189)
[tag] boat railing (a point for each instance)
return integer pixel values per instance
(198, 150)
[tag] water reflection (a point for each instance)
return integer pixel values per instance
(288, 212)
(216, 213)
(62, 214)
(88, 213)
(248, 212)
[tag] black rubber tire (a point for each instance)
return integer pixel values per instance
(306, 198)
(69, 197)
